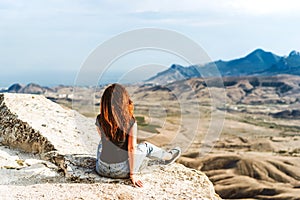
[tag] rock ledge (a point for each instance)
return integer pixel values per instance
(39, 127)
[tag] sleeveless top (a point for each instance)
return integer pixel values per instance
(113, 151)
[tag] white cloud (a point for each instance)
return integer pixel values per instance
(187, 22)
(265, 7)
(240, 7)
(249, 7)
(178, 6)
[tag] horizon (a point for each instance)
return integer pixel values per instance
(47, 42)
(108, 80)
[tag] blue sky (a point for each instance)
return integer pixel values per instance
(47, 41)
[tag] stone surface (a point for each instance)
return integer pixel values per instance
(48, 152)
(35, 124)
(20, 168)
(168, 182)
(45, 126)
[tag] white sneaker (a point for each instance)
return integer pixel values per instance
(175, 153)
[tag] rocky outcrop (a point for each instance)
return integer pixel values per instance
(17, 133)
(62, 140)
(36, 125)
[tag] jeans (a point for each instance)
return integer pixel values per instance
(121, 170)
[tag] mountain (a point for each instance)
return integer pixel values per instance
(33, 88)
(258, 63)
(286, 65)
(30, 88)
(176, 72)
(15, 88)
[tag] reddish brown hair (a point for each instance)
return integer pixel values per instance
(116, 111)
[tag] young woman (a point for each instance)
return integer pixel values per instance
(118, 155)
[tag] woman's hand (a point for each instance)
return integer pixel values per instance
(136, 182)
(131, 152)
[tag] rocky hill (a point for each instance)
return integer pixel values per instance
(42, 143)
(258, 63)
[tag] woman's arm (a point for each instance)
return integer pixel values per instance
(98, 130)
(131, 152)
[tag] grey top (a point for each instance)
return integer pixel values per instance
(113, 151)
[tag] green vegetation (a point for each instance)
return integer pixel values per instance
(144, 126)
(261, 122)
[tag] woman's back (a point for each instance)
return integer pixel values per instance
(113, 151)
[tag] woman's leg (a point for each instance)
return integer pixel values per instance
(147, 149)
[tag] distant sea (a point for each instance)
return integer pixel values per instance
(51, 78)
(42, 77)
(48, 78)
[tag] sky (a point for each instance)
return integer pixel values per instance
(48, 41)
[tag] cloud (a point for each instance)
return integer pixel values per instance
(203, 13)
(264, 7)
(240, 7)
(186, 22)
(219, 7)
(177, 5)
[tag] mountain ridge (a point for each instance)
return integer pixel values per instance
(30, 88)
(259, 63)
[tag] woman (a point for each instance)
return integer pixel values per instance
(118, 156)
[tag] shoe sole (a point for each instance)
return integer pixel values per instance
(173, 159)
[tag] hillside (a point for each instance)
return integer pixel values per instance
(277, 96)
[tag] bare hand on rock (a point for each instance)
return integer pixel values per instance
(136, 182)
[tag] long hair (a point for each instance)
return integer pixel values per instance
(116, 111)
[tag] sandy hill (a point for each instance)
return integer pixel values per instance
(45, 149)
(243, 175)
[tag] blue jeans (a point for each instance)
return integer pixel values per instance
(121, 170)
